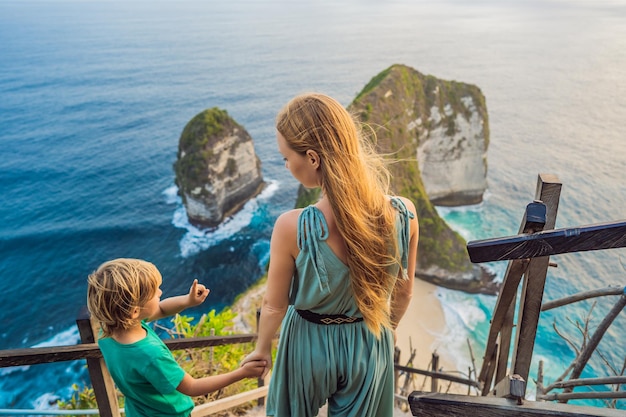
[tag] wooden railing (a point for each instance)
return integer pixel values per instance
(102, 383)
(503, 386)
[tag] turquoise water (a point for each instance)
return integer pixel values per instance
(94, 95)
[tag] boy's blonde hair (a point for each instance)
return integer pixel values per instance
(116, 288)
(356, 182)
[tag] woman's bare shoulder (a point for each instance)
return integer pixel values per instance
(287, 221)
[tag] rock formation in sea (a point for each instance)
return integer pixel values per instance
(217, 169)
(438, 132)
(404, 107)
(445, 122)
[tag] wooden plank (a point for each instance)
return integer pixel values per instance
(439, 375)
(506, 298)
(101, 381)
(528, 316)
(489, 367)
(600, 236)
(607, 380)
(506, 333)
(450, 405)
(227, 403)
(548, 191)
(34, 356)
(610, 290)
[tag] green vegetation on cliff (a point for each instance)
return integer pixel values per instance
(196, 144)
(389, 103)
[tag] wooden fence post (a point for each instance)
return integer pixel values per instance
(396, 373)
(434, 382)
(548, 191)
(103, 385)
(260, 381)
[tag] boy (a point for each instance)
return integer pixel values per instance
(124, 294)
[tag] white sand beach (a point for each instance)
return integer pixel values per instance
(422, 328)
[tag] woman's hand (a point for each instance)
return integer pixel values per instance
(254, 369)
(259, 356)
(197, 294)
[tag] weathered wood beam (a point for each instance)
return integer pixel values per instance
(611, 290)
(101, 380)
(592, 395)
(450, 405)
(505, 301)
(609, 235)
(607, 380)
(506, 334)
(33, 356)
(223, 404)
(528, 316)
(439, 375)
(549, 192)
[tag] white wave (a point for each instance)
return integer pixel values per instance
(444, 211)
(171, 195)
(46, 401)
(262, 247)
(65, 338)
(462, 314)
(8, 371)
(197, 240)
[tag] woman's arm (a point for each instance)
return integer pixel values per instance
(403, 290)
(283, 252)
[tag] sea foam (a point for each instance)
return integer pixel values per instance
(196, 240)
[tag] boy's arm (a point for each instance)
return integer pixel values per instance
(172, 305)
(201, 386)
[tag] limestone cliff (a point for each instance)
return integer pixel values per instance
(217, 169)
(445, 121)
(443, 125)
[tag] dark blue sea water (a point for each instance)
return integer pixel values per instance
(94, 96)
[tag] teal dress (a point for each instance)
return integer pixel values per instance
(345, 363)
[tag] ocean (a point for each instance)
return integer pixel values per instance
(95, 94)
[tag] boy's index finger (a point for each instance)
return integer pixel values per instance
(195, 289)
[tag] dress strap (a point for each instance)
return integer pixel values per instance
(312, 228)
(404, 232)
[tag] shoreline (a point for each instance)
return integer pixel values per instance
(423, 329)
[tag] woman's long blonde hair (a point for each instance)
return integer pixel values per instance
(356, 183)
(116, 288)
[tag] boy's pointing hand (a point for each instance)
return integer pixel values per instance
(197, 293)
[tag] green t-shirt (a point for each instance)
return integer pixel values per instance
(147, 374)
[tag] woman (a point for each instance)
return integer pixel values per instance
(341, 271)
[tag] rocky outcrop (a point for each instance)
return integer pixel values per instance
(448, 122)
(217, 169)
(421, 120)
